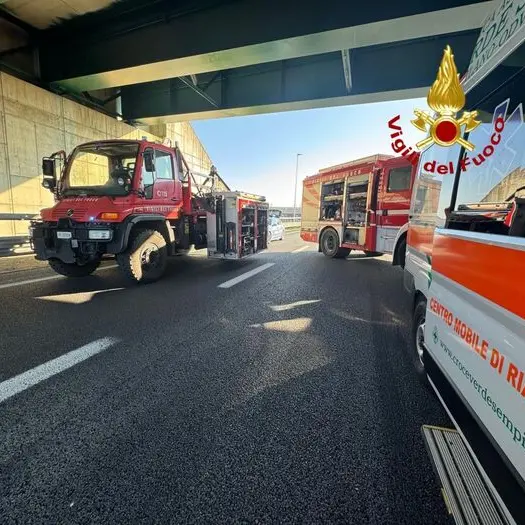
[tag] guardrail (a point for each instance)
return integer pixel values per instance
(17, 216)
(19, 244)
(14, 246)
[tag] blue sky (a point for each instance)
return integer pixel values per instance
(257, 153)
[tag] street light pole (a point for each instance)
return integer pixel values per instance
(295, 192)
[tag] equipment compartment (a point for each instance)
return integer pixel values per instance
(238, 227)
(356, 196)
(332, 201)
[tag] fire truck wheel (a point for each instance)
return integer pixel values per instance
(145, 259)
(417, 339)
(72, 269)
(330, 245)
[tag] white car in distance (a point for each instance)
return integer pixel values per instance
(275, 229)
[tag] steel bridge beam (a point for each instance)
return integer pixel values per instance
(379, 73)
(114, 52)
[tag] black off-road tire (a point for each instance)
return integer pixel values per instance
(330, 245)
(73, 269)
(145, 244)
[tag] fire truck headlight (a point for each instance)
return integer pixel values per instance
(99, 235)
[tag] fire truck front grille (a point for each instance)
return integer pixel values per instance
(76, 214)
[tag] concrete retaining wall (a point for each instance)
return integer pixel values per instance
(35, 123)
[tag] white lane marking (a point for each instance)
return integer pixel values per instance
(25, 380)
(301, 249)
(244, 276)
(30, 281)
(291, 306)
(50, 278)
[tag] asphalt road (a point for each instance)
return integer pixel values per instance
(287, 397)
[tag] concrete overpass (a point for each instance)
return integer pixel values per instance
(164, 61)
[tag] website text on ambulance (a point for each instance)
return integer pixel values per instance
(517, 435)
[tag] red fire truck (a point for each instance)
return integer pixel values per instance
(360, 205)
(139, 201)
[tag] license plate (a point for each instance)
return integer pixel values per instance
(64, 235)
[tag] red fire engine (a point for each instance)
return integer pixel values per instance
(360, 205)
(139, 201)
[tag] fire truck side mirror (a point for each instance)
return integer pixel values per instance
(48, 167)
(148, 161)
(49, 172)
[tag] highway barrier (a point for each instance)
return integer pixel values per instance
(291, 223)
(19, 244)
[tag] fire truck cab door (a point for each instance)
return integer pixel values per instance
(161, 186)
(395, 192)
(393, 201)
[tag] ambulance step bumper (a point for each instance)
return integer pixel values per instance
(465, 492)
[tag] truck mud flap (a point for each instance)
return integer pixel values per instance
(466, 495)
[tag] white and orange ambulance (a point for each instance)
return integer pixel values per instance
(465, 269)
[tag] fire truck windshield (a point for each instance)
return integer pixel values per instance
(101, 169)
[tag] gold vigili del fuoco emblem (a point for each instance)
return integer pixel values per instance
(446, 98)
